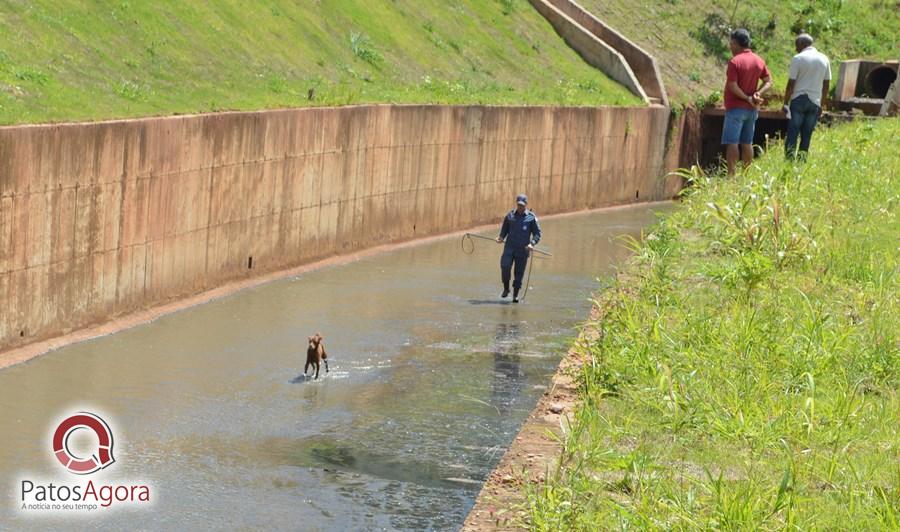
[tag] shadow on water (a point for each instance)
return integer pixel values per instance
(489, 302)
(307, 379)
(331, 454)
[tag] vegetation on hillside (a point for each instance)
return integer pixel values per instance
(79, 59)
(690, 37)
(747, 371)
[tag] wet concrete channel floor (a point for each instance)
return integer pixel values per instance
(431, 377)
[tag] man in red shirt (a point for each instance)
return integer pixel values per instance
(742, 99)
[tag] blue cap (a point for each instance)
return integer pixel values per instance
(522, 199)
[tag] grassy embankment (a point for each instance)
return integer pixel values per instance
(85, 60)
(746, 376)
(689, 38)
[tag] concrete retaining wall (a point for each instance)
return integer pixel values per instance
(102, 219)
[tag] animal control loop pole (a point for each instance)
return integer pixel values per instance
(467, 239)
(468, 247)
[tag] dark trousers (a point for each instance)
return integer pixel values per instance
(511, 257)
(804, 116)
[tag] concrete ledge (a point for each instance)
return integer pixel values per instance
(641, 63)
(595, 51)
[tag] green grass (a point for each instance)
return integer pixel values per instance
(84, 60)
(689, 37)
(746, 376)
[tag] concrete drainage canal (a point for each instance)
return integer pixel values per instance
(431, 377)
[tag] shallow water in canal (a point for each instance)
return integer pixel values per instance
(431, 377)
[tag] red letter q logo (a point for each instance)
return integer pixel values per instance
(83, 466)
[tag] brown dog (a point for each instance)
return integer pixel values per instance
(315, 354)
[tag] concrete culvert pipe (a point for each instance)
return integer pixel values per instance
(879, 80)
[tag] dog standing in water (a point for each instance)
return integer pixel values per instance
(315, 354)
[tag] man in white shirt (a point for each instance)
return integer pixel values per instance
(805, 94)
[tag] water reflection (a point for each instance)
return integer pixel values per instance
(508, 376)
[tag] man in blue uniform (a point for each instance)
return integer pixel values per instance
(521, 232)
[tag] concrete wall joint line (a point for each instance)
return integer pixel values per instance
(282, 212)
(88, 185)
